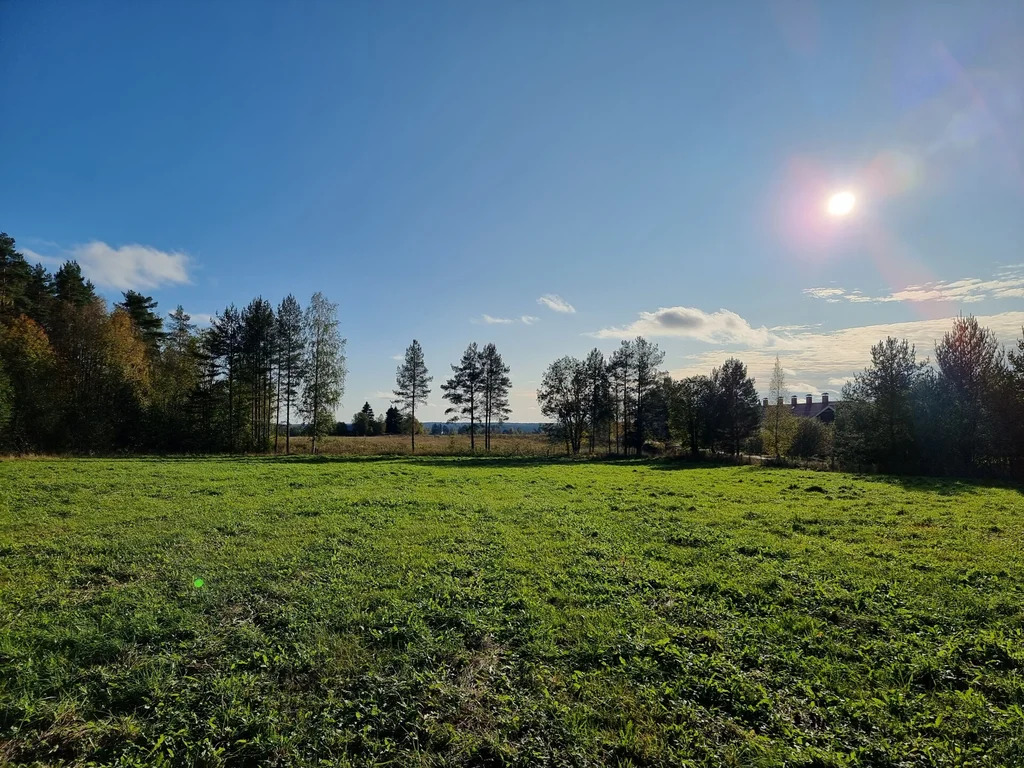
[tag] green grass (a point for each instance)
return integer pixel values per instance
(492, 612)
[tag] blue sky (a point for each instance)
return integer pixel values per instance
(434, 167)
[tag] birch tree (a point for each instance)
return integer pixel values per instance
(324, 367)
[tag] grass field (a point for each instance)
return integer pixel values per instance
(428, 445)
(505, 612)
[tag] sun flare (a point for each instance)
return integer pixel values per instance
(841, 203)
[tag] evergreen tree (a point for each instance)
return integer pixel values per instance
(412, 385)
(876, 424)
(40, 295)
(15, 276)
(737, 408)
(690, 411)
(142, 310)
(364, 422)
(647, 357)
(464, 390)
(70, 287)
(495, 387)
(178, 375)
(223, 348)
(257, 359)
(971, 366)
(620, 371)
(392, 421)
(290, 351)
(599, 397)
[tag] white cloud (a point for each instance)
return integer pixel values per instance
(721, 327)
(828, 294)
(382, 395)
(556, 303)
(37, 258)
(201, 318)
(488, 320)
(1009, 284)
(399, 358)
(130, 267)
(828, 359)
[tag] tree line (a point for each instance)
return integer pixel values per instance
(964, 414)
(77, 376)
(477, 393)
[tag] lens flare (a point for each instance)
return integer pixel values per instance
(841, 203)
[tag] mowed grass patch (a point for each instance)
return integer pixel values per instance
(433, 611)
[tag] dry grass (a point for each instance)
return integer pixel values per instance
(430, 445)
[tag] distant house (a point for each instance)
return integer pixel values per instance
(824, 411)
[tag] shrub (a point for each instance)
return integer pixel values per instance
(812, 438)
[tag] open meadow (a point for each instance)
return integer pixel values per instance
(427, 445)
(457, 611)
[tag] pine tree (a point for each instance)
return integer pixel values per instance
(177, 381)
(876, 423)
(15, 277)
(223, 348)
(71, 287)
(496, 386)
(737, 407)
(392, 421)
(464, 389)
(290, 351)
(364, 421)
(647, 357)
(257, 358)
(412, 385)
(142, 310)
(620, 371)
(40, 295)
(599, 396)
(970, 363)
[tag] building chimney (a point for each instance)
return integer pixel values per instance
(794, 401)
(824, 398)
(810, 399)
(780, 399)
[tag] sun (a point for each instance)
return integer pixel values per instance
(841, 203)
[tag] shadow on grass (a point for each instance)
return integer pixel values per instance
(943, 486)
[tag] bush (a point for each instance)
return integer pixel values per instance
(812, 439)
